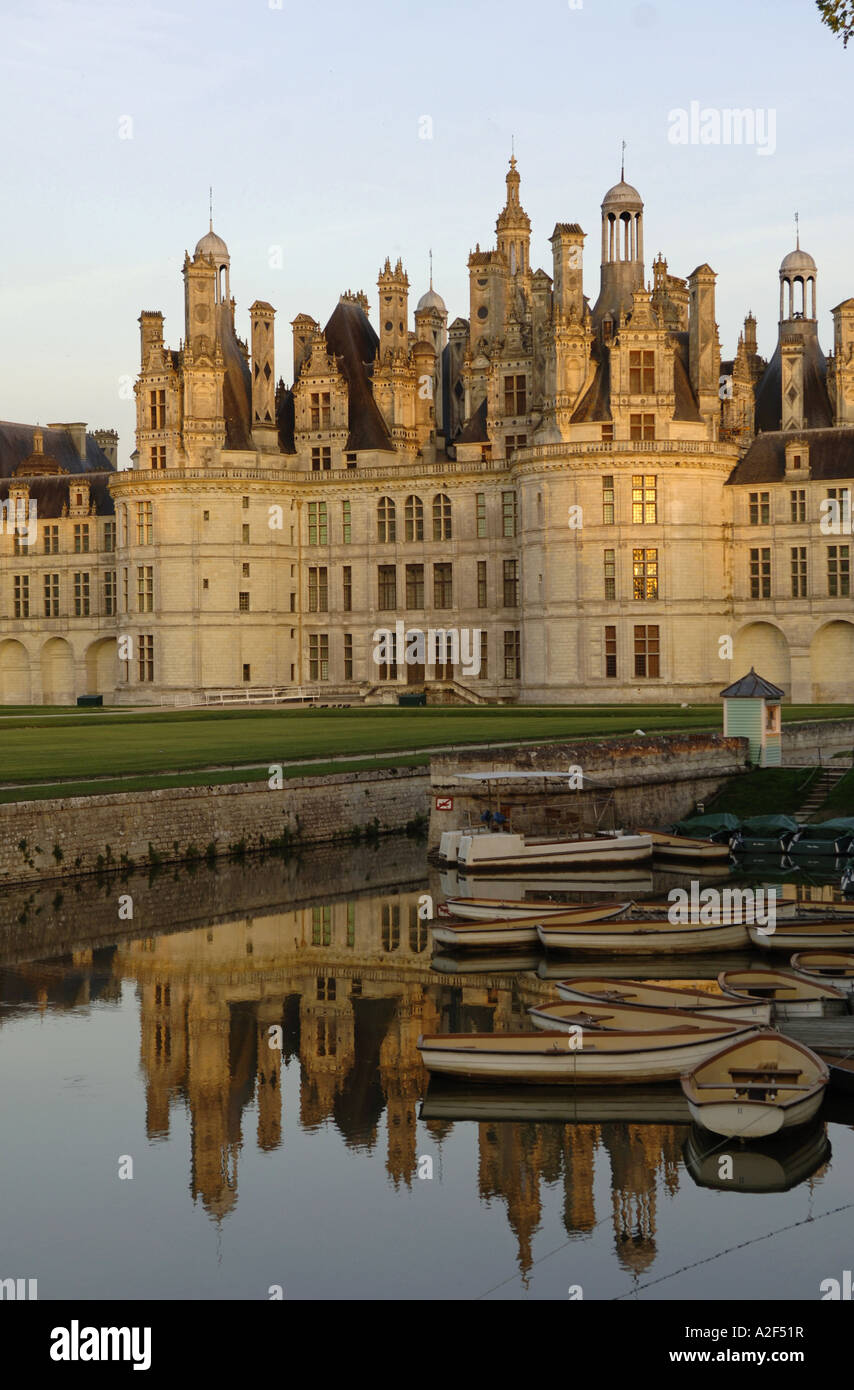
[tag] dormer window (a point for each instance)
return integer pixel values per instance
(797, 457)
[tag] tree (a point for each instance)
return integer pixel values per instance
(838, 15)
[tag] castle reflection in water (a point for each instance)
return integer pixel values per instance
(222, 957)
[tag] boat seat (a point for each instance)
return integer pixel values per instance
(769, 1073)
(743, 1086)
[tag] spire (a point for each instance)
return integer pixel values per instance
(431, 267)
(210, 207)
(623, 164)
(797, 231)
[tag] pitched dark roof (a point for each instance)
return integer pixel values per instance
(285, 418)
(686, 406)
(51, 493)
(16, 445)
(595, 404)
(831, 455)
(353, 343)
(769, 403)
(474, 430)
(237, 389)
(753, 687)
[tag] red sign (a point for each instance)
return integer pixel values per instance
(444, 803)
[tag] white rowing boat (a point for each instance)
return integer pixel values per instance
(507, 932)
(823, 935)
(490, 909)
(639, 994)
(567, 1016)
(642, 937)
(501, 850)
(756, 1086)
(682, 847)
(791, 994)
(549, 1059)
(833, 967)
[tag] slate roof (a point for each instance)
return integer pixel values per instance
(595, 404)
(474, 430)
(753, 687)
(51, 493)
(16, 446)
(353, 343)
(769, 402)
(831, 455)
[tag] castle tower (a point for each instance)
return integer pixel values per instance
(622, 255)
(840, 373)
(798, 276)
(704, 353)
(264, 432)
(567, 241)
(393, 285)
(431, 326)
(204, 366)
(513, 227)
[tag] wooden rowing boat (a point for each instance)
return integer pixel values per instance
(639, 994)
(492, 909)
(502, 850)
(506, 932)
(826, 934)
(791, 994)
(756, 1086)
(683, 847)
(646, 937)
(834, 967)
(568, 1016)
(841, 1068)
(548, 1058)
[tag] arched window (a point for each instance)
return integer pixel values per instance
(414, 519)
(386, 528)
(442, 529)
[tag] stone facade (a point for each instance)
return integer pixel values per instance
(603, 507)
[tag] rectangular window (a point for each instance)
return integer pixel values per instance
(22, 543)
(607, 434)
(81, 538)
(647, 652)
(610, 653)
(644, 500)
(512, 442)
(51, 540)
(145, 588)
(243, 601)
(146, 658)
(641, 373)
(760, 572)
(125, 598)
(321, 458)
(81, 595)
(483, 671)
(317, 523)
(346, 524)
(109, 536)
(509, 513)
(109, 592)
(511, 583)
(318, 656)
(512, 656)
(244, 502)
(386, 587)
(608, 514)
(158, 456)
(645, 574)
(515, 395)
(610, 574)
(51, 595)
(413, 514)
(144, 529)
(244, 532)
(321, 410)
(415, 586)
(799, 571)
(443, 586)
(388, 669)
(641, 427)
(348, 656)
(838, 571)
(157, 410)
(480, 514)
(798, 504)
(22, 595)
(347, 589)
(759, 508)
(318, 589)
(481, 585)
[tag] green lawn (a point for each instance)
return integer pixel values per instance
(41, 746)
(841, 799)
(767, 791)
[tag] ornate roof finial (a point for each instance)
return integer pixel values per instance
(797, 231)
(431, 267)
(623, 164)
(210, 206)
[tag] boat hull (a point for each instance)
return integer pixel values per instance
(724, 1010)
(644, 940)
(497, 853)
(488, 909)
(639, 1061)
(746, 1120)
(805, 936)
(680, 847)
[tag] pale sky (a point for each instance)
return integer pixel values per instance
(306, 120)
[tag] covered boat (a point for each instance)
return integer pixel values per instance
(764, 835)
(830, 837)
(756, 1086)
(639, 994)
(642, 937)
(718, 827)
(549, 1058)
(791, 994)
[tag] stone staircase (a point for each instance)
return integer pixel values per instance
(819, 792)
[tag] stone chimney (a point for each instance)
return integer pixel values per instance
(77, 431)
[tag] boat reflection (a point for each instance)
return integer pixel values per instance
(773, 1165)
(588, 1105)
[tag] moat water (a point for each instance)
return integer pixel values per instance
(323, 1164)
